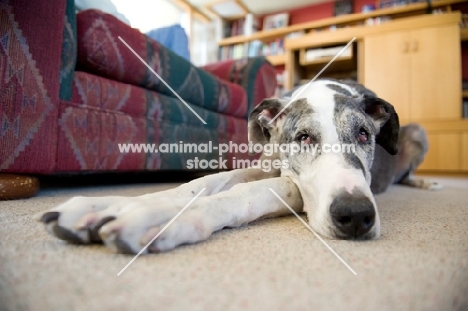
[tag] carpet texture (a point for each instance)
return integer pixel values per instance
(420, 263)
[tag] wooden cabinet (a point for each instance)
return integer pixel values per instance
(387, 69)
(415, 64)
(445, 152)
(417, 70)
(436, 73)
(448, 151)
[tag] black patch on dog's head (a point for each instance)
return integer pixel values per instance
(259, 120)
(339, 89)
(385, 118)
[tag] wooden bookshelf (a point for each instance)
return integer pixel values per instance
(464, 34)
(344, 35)
(465, 94)
(277, 60)
(303, 61)
(406, 10)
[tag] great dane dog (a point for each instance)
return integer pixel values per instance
(334, 189)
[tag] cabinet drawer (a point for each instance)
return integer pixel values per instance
(444, 152)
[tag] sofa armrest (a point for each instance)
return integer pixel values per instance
(31, 64)
(256, 75)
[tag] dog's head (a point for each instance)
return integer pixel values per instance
(336, 132)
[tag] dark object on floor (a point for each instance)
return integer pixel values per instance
(14, 187)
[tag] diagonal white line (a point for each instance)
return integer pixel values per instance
(310, 82)
(318, 236)
(162, 80)
(160, 232)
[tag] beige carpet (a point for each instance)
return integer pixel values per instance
(420, 263)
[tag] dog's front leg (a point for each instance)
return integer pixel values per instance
(240, 205)
(80, 218)
(219, 182)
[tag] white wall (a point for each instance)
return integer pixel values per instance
(149, 14)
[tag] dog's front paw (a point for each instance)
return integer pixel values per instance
(79, 219)
(127, 225)
(131, 233)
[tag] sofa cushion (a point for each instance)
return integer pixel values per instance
(101, 52)
(103, 113)
(255, 74)
(108, 95)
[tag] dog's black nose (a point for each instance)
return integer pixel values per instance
(353, 216)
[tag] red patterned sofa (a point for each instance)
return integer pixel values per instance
(71, 91)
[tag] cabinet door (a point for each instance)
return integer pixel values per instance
(435, 73)
(444, 152)
(387, 69)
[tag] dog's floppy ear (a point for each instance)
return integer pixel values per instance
(386, 119)
(260, 117)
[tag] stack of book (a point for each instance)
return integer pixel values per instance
(251, 49)
(242, 26)
(273, 48)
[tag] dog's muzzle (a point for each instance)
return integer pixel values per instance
(353, 216)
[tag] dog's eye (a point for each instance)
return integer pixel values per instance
(363, 136)
(304, 139)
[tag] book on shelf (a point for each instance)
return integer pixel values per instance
(251, 49)
(246, 26)
(295, 34)
(251, 24)
(254, 48)
(281, 76)
(393, 3)
(275, 47)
